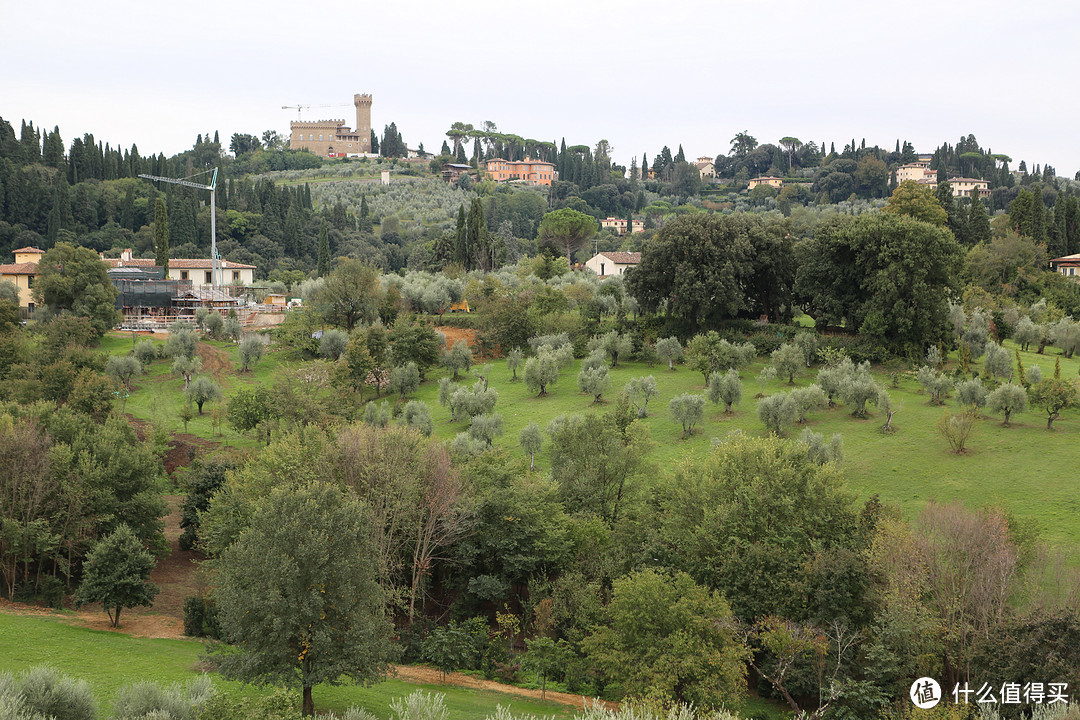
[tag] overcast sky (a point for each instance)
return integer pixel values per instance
(639, 74)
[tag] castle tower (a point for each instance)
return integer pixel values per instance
(363, 121)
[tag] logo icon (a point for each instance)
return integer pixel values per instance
(925, 693)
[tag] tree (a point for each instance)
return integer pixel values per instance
(251, 409)
(349, 295)
(417, 416)
(916, 201)
(73, 280)
(639, 391)
(297, 595)
(201, 391)
(250, 352)
(670, 350)
(123, 368)
(540, 372)
(416, 343)
(547, 658)
(666, 634)
(161, 235)
(1007, 399)
(404, 379)
(726, 388)
(956, 429)
(531, 440)
(323, 264)
(458, 358)
(687, 409)
(514, 359)
(186, 367)
(594, 381)
(115, 574)
(332, 344)
(566, 229)
(776, 411)
(886, 275)
(1053, 395)
(788, 360)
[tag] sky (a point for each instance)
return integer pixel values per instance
(638, 74)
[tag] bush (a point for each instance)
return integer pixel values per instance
(404, 379)
(200, 618)
(416, 415)
(687, 409)
(956, 429)
(215, 324)
(332, 344)
(143, 699)
(146, 352)
(46, 691)
(776, 412)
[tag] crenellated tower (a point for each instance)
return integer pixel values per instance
(363, 120)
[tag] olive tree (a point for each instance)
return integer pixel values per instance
(640, 391)
(726, 388)
(670, 350)
(788, 359)
(1007, 399)
(332, 343)
(201, 391)
(514, 360)
(531, 440)
(776, 412)
(404, 379)
(687, 409)
(937, 384)
(458, 358)
(807, 399)
(250, 352)
(594, 381)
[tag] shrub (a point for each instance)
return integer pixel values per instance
(416, 415)
(214, 324)
(145, 699)
(333, 343)
(54, 695)
(956, 429)
(404, 379)
(200, 618)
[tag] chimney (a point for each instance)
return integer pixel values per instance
(126, 254)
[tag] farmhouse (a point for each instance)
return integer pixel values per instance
(612, 263)
(773, 182)
(619, 225)
(21, 273)
(1069, 266)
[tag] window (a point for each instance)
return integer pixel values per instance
(209, 277)
(29, 281)
(183, 275)
(236, 276)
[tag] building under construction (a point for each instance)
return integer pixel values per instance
(148, 301)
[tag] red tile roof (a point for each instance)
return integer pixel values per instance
(29, 249)
(182, 263)
(19, 269)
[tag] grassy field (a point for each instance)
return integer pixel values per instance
(1023, 468)
(109, 660)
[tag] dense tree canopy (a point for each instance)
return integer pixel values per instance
(884, 275)
(73, 279)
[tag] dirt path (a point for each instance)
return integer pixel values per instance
(429, 676)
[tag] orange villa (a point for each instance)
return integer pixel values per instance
(533, 172)
(21, 273)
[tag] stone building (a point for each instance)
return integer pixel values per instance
(333, 138)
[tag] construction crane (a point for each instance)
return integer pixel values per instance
(215, 261)
(299, 108)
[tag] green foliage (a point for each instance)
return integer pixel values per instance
(916, 201)
(708, 353)
(971, 394)
(377, 415)
(1007, 399)
(115, 574)
(182, 340)
(419, 705)
(886, 275)
(146, 352)
(250, 352)
(670, 350)
(531, 441)
(458, 358)
(404, 379)
(145, 699)
(350, 295)
(749, 518)
(417, 416)
(613, 345)
(687, 409)
(1053, 395)
(806, 399)
(297, 594)
(123, 368)
(566, 230)
(594, 381)
(73, 279)
(726, 388)
(788, 360)
(666, 635)
(639, 391)
(956, 429)
(333, 343)
(201, 391)
(231, 329)
(415, 343)
(514, 360)
(449, 647)
(777, 411)
(486, 428)
(215, 324)
(820, 451)
(542, 370)
(42, 693)
(250, 409)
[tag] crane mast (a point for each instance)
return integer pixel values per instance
(215, 262)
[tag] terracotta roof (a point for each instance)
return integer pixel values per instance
(1067, 258)
(623, 258)
(29, 249)
(19, 269)
(182, 263)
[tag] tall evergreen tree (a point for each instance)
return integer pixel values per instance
(477, 237)
(461, 246)
(161, 235)
(978, 224)
(323, 267)
(53, 154)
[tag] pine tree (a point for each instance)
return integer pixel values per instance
(323, 267)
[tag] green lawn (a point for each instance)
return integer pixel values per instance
(109, 660)
(1023, 468)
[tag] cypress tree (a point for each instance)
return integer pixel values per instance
(323, 267)
(461, 248)
(978, 224)
(477, 237)
(161, 235)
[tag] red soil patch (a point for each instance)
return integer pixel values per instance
(429, 676)
(453, 334)
(214, 360)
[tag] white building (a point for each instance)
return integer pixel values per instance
(612, 263)
(197, 271)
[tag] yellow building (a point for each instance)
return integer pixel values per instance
(21, 273)
(773, 182)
